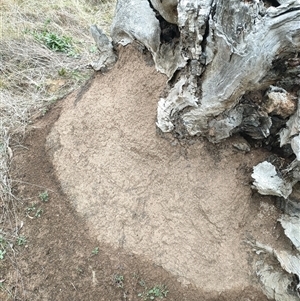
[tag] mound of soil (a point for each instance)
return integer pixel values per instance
(161, 210)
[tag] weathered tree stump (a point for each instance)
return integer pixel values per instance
(233, 66)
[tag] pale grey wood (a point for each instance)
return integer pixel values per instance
(225, 49)
(268, 182)
(167, 9)
(107, 57)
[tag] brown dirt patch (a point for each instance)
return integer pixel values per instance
(162, 211)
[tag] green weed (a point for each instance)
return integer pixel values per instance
(62, 72)
(119, 280)
(54, 41)
(39, 212)
(2, 254)
(158, 291)
(93, 49)
(21, 240)
(33, 209)
(44, 196)
(44, 112)
(95, 251)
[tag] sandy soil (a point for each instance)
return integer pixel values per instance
(185, 206)
(57, 262)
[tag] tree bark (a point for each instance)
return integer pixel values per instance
(223, 50)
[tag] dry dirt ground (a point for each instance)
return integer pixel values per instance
(160, 210)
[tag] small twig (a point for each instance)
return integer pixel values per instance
(73, 286)
(31, 184)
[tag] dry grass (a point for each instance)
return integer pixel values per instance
(71, 17)
(32, 77)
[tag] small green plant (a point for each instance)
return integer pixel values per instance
(32, 209)
(44, 196)
(21, 241)
(93, 49)
(54, 41)
(119, 280)
(44, 112)
(158, 291)
(2, 254)
(95, 251)
(39, 212)
(62, 72)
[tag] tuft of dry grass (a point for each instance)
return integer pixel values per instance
(32, 77)
(71, 17)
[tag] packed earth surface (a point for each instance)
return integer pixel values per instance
(131, 208)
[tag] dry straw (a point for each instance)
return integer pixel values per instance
(32, 76)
